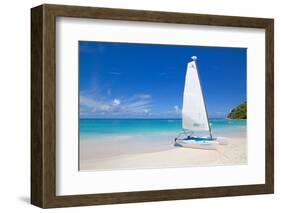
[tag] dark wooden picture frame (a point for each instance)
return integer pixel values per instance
(43, 105)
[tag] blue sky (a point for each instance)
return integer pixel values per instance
(122, 80)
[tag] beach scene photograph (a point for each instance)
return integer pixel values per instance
(156, 106)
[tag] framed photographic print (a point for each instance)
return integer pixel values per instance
(135, 106)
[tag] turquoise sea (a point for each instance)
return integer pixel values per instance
(107, 127)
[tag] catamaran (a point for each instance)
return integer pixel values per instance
(194, 114)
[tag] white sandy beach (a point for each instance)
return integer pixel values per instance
(121, 153)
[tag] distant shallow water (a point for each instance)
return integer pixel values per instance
(109, 127)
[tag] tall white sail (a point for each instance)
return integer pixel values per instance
(194, 114)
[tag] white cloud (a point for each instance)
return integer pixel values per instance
(144, 96)
(134, 105)
(87, 102)
(115, 73)
(146, 111)
(105, 108)
(116, 102)
(177, 109)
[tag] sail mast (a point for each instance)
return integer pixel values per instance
(194, 58)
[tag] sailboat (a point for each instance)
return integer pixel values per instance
(194, 114)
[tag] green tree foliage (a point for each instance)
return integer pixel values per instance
(239, 112)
